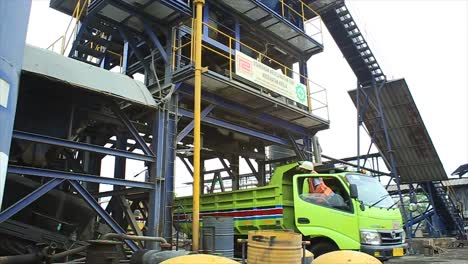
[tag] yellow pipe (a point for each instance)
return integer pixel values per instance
(197, 126)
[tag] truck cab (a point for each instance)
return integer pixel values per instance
(359, 214)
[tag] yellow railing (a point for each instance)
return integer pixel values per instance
(65, 39)
(307, 15)
(183, 55)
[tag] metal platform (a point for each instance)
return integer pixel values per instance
(126, 12)
(322, 6)
(256, 98)
(416, 157)
(273, 21)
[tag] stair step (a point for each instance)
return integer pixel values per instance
(85, 61)
(89, 51)
(355, 34)
(346, 19)
(350, 26)
(342, 10)
(95, 39)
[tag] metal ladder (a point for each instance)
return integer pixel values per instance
(352, 44)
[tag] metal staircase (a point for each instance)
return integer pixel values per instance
(92, 42)
(355, 49)
(352, 44)
(446, 208)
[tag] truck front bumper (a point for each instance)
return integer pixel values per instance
(384, 252)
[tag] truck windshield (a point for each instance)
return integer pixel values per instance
(370, 190)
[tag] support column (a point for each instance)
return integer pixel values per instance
(234, 165)
(155, 175)
(14, 16)
(119, 173)
(197, 123)
(171, 144)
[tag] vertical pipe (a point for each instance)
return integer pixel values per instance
(197, 126)
(14, 16)
(358, 134)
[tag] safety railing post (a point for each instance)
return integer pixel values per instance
(309, 102)
(230, 58)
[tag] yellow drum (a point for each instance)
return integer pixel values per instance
(346, 257)
(199, 259)
(271, 247)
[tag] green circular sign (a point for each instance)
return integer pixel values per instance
(301, 93)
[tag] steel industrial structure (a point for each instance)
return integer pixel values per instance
(72, 116)
(79, 114)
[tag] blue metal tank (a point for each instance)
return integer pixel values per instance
(14, 16)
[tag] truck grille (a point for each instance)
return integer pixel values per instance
(391, 237)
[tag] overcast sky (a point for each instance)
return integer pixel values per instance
(425, 42)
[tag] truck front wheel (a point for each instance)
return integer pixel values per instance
(322, 247)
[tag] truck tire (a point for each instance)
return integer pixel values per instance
(322, 247)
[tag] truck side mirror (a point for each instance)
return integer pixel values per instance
(353, 191)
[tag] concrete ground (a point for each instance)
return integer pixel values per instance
(452, 256)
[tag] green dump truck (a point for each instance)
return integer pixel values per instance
(362, 216)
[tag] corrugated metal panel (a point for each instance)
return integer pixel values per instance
(415, 155)
(76, 73)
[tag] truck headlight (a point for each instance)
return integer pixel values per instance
(403, 237)
(370, 238)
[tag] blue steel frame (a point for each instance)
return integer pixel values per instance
(59, 177)
(160, 155)
(377, 87)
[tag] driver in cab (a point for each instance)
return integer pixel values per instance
(319, 192)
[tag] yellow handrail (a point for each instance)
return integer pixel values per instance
(76, 15)
(230, 54)
(119, 56)
(51, 46)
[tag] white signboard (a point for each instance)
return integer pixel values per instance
(4, 92)
(273, 80)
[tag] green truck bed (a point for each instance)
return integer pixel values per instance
(253, 209)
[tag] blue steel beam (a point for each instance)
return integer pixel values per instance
(243, 130)
(242, 110)
(252, 168)
(134, 48)
(76, 176)
(132, 129)
(102, 213)
(156, 173)
(226, 167)
(184, 161)
(21, 204)
(189, 127)
(14, 16)
(81, 146)
(155, 40)
(169, 170)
